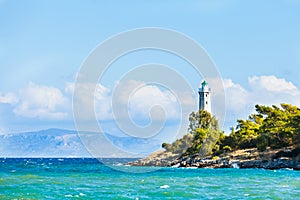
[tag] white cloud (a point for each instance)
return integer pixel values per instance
(42, 102)
(124, 89)
(46, 102)
(103, 102)
(9, 98)
(99, 97)
(236, 96)
(2, 131)
(141, 99)
(272, 84)
(145, 98)
(141, 108)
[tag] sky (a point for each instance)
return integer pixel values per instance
(255, 46)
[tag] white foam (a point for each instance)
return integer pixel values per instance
(192, 167)
(164, 187)
(118, 164)
(175, 166)
(235, 165)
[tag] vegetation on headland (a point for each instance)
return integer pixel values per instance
(271, 126)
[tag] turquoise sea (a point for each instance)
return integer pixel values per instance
(88, 179)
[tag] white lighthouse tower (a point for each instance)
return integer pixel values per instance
(204, 97)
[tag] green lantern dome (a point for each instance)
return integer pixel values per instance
(204, 83)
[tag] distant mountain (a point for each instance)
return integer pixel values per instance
(67, 143)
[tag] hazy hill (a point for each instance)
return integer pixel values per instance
(67, 143)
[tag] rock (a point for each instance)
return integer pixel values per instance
(183, 164)
(248, 158)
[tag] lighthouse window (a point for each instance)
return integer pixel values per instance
(206, 95)
(206, 102)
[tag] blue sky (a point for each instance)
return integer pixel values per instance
(255, 46)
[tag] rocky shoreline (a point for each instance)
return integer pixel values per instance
(288, 158)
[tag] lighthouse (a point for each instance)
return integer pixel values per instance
(204, 97)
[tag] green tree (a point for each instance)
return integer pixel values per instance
(271, 126)
(179, 146)
(202, 137)
(280, 125)
(206, 133)
(202, 119)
